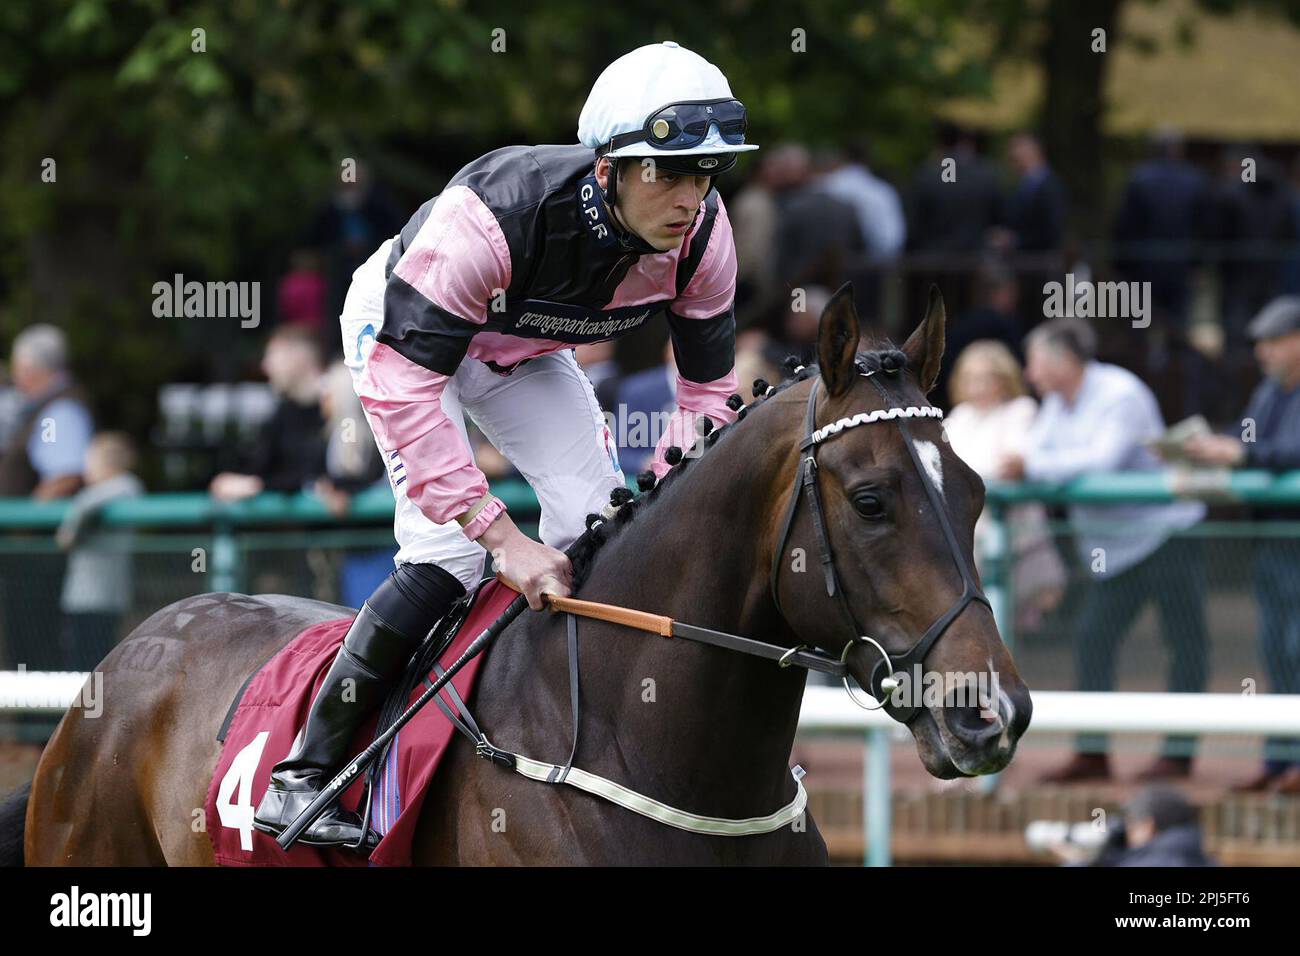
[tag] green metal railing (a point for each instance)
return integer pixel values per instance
(1151, 487)
(1227, 544)
(191, 509)
(291, 542)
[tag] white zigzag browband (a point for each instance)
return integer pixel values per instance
(880, 415)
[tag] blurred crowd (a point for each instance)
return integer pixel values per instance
(1096, 417)
(1215, 239)
(989, 232)
(65, 610)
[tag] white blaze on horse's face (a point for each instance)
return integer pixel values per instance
(929, 453)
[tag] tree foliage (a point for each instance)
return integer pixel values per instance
(205, 152)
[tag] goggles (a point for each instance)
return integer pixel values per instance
(686, 124)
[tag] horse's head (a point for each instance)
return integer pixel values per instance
(899, 510)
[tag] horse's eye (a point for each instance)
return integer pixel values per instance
(869, 506)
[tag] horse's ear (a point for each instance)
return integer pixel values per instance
(837, 341)
(924, 347)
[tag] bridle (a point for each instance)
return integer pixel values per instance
(882, 682)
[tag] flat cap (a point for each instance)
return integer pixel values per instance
(1279, 317)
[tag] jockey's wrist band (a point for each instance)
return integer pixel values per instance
(478, 506)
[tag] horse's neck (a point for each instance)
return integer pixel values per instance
(701, 721)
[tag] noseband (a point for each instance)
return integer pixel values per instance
(882, 682)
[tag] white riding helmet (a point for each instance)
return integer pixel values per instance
(664, 101)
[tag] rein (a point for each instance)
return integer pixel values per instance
(808, 658)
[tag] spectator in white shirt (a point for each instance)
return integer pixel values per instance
(991, 420)
(1097, 417)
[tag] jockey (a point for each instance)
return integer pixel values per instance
(475, 308)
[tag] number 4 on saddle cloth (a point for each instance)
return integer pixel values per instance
(266, 716)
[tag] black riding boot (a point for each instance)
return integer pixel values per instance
(374, 652)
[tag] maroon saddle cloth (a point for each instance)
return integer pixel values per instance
(266, 717)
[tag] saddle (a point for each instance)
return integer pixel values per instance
(271, 707)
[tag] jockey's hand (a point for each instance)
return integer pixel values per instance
(531, 568)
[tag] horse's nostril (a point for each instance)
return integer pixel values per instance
(974, 725)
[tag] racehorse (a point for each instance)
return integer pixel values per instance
(695, 726)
